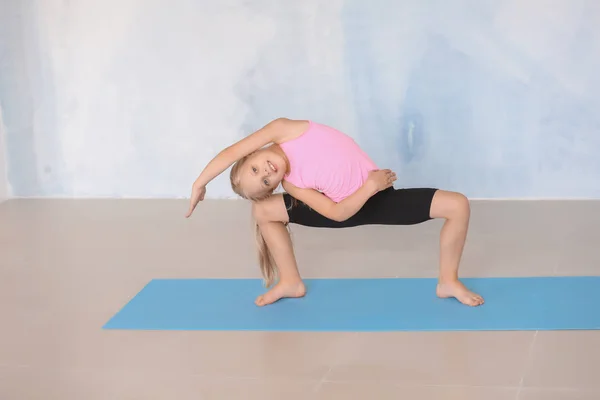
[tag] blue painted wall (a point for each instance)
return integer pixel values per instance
(131, 98)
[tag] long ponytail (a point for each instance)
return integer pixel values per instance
(266, 262)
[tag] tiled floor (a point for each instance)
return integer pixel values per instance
(67, 266)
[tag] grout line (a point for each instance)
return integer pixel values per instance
(443, 385)
(323, 380)
(420, 385)
(326, 374)
(15, 366)
(527, 363)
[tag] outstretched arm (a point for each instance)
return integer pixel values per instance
(378, 180)
(275, 131)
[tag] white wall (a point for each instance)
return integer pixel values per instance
(133, 97)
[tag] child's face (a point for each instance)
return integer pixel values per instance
(262, 172)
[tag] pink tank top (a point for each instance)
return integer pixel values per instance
(327, 160)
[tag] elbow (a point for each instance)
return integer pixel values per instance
(279, 122)
(338, 216)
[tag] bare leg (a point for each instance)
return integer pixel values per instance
(454, 207)
(271, 217)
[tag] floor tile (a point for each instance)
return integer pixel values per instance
(291, 355)
(102, 384)
(566, 359)
(389, 391)
(558, 394)
(434, 358)
(258, 389)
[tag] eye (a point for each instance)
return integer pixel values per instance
(254, 170)
(266, 182)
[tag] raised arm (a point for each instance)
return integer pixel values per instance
(378, 180)
(275, 131)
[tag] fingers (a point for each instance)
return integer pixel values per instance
(196, 197)
(391, 176)
(391, 179)
(193, 203)
(190, 211)
(385, 178)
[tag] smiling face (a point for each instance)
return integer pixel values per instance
(261, 172)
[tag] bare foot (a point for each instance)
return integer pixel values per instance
(281, 290)
(459, 291)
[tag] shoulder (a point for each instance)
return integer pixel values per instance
(292, 189)
(288, 186)
(314, 199)
(302, 194)
(287, 129)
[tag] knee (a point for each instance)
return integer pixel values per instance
(263, 211)
(259, 212)
(271, 209)
(459, 206)
(451, 205)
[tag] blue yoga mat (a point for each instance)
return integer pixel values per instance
(539, 303)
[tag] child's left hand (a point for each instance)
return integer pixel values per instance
(381, 179)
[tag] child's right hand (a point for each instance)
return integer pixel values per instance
(381, 179)
(198, 193)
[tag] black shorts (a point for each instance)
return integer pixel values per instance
(388, 207)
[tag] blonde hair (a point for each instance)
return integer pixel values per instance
(266, 262)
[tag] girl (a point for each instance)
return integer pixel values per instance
(330, 183)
